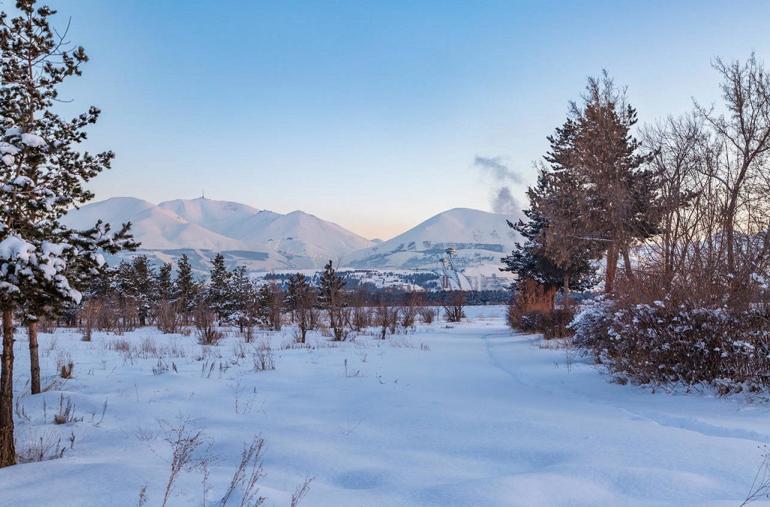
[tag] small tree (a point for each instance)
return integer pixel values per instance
(219, 296)
(245, 300)
(270, 299)
(330, 298)
(300, 298)
(186, 289)
(145, 288)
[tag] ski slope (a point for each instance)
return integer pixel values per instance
(460, 415)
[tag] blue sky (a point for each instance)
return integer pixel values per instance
(370, 113)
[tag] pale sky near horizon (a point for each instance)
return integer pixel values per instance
(369, 113)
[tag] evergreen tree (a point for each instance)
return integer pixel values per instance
(144, 287)
(330, 298)
(244, 295)
(618, 203)
(531, 260)
(43, 263)
(270, 298)
(553, 255)
(186, 289)
(165, 287)
(220, 291)
(295, 286)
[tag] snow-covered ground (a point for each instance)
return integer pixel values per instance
(469, 414)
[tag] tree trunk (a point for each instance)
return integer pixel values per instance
(7, 448)
(627, 264)
(612, 268)
(34, 358)
(565, 288)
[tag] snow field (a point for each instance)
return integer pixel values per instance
(464, 415)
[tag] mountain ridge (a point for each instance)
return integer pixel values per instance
(268, 240)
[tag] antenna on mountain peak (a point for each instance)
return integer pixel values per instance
(203, 194)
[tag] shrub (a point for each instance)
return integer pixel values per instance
(427, 314)
(207, 332)
(553, 324)
(663, 343)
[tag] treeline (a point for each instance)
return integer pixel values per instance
(682, 207)
(135, 293)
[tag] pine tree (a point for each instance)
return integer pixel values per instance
(269, 304)
(244, 296)
(44, 264)
(330, 298)
(145, 289)
(186, 289)
(300, 298)
(165, 286)
(619, 203)
(220, 291)
(531, 260)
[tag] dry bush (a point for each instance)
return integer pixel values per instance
(301, 491)
(360, 318)
(427, 314)
(66, 413)
(206, 331)
(45, 447)
(88, 318)
(185, 446)
(168, 319)
(262, 358)
(65, 366)
(121, 345)
(148, 348)
(247, 333)
(760, 486)
(454, 303)
(385, 318)
(246, 475)
(408, 316)
(553, 324)
(45, 325)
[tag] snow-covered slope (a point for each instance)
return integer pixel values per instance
(273, 240)
(299, 234)
(479, 237)
(155, 227)
(218, 216)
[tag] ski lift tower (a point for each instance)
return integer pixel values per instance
(450, 279)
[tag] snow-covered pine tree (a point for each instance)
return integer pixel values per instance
(123, 285)
(219, 295)
(330, 298)
(244, 298)
(146, 291)
(186, 289)
(164, 284)
(43, 264)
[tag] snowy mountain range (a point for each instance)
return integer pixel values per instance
(266, 241)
